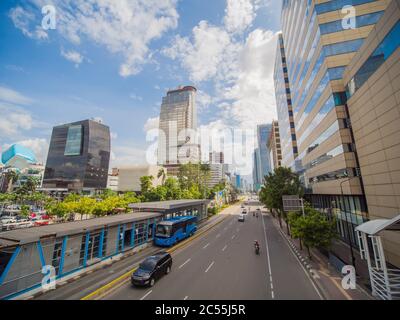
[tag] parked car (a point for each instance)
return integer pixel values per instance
(152, 269)
(241, 218)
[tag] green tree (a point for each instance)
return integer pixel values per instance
(85, 206)
(314, 229)
(146, 184)
(277, 184)
(25, 210)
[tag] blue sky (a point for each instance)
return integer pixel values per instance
(115, 59)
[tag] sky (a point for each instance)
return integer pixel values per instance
(114, 60)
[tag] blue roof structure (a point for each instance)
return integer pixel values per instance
(17, 155)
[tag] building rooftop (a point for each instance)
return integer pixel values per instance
(167, 205)
(22, 236)
(18, 156)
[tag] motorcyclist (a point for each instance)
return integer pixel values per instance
(256, 246)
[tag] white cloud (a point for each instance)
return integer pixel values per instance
(73, 56)
(202, 56)
(239, 15)
(13, 121)
(127, 156)
(123, 27)
(8, 95)
(24, 20)
(152, 123)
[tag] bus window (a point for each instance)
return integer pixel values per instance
(163, 231)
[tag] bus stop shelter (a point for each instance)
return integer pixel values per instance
(385, 281)
(172, 208)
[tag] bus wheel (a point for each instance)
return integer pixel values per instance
(152, 282)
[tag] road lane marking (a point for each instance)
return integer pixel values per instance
(186, 298)
(271, 282)
(224, 248)
(209, 267)
(206, 246)
(146, 295)
(186, 262)
(106, 289)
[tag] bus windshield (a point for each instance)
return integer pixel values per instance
(163, 231)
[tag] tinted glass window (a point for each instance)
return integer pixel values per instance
(73, 146)
(148, 265)
(381, 54)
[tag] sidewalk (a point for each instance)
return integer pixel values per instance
(324, 275)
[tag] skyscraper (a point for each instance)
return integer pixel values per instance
(319, 42)
(284, 108)
(79, 156)
(256, 170)
(372, 79)
(178, 122)
(274, 145)
(263, 133)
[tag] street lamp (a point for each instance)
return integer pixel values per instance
(353, 259)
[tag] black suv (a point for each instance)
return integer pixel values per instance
(152, 269)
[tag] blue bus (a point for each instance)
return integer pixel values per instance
(171, 231)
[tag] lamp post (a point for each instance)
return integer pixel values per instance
(353, 259)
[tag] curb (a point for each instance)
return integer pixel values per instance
(308, 268)
(116, 283)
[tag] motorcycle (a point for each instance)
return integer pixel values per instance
(257, 249)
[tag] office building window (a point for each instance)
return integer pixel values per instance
(380, 55)
(73, 146)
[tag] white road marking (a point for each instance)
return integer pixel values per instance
(269, 261)
(224, 248)
(205, 247)
(146, 295)
(209, 267)
(186, 262)
(304, 269)
(186, 298)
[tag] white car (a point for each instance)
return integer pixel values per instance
(241, 218)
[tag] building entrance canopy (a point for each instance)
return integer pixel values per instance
(385, 280)
(374, 227)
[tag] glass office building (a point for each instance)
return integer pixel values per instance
(284, 108)
(372, 80)
(319, 43)
(79, 156)
(263, 134)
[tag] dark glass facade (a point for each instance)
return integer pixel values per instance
(79, 157)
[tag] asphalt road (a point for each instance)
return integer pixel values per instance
(222, 264)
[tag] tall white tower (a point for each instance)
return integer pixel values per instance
(177, 142)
